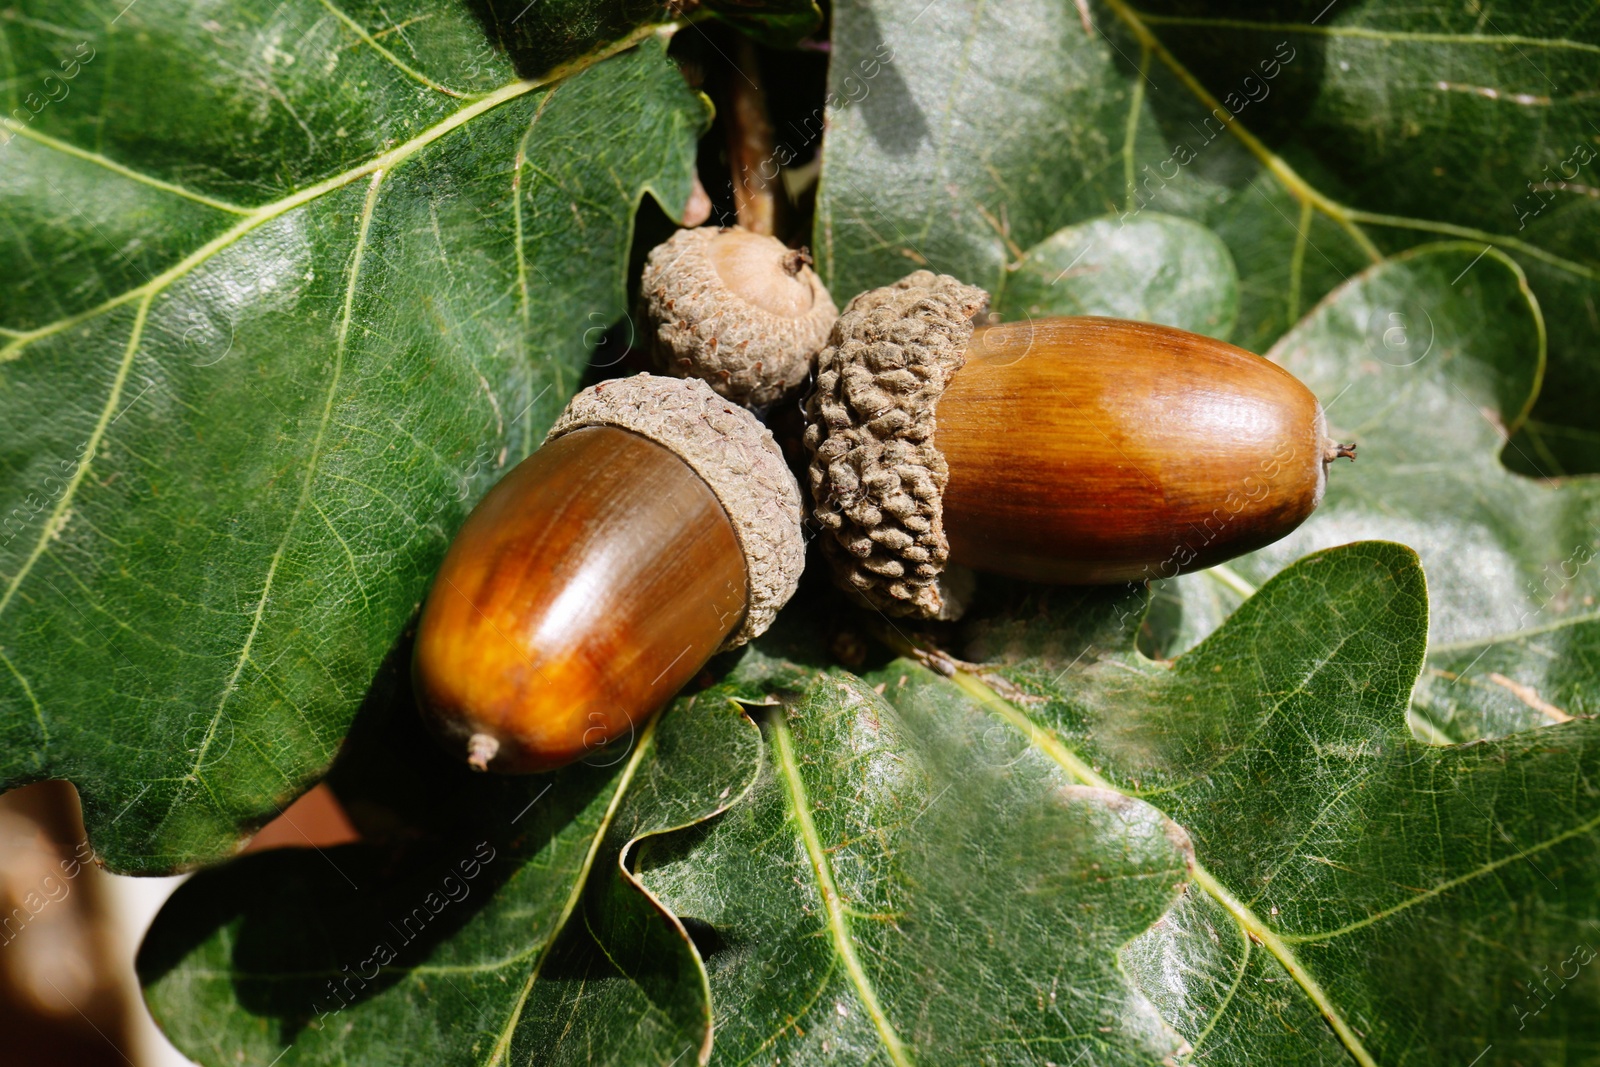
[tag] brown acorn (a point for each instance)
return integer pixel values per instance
(657, 525)
(1078, 450)
(736, 309)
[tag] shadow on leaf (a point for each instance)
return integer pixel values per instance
(314, 931)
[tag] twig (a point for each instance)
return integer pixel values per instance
(750, 150)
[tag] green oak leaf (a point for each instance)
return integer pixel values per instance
(454, 942)
(982, 130)
(1409, 894)
(1429, 361)
(928, 871)
(900, 888)
(1313, 140)
(1156, 268)
(272, 323)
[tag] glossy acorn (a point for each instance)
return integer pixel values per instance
(1074, 450)
(657, 525)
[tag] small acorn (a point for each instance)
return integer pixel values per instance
(736, 309)
(657, 525)
(1076, 450)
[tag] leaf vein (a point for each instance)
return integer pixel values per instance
(1348, 218)
(27, 690)
(113, 398)
(502, 1045)
(393, 60)
(386, 161)
(95, 158)
(832, 902)
(340, 349)
(1074, 765)
(1509, 40)
(1447, 885)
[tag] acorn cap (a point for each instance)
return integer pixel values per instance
(877, 481)
(735, 309)
(737, 458)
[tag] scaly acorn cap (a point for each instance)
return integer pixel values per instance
(735, 309)
(877, 481)
(737, 458)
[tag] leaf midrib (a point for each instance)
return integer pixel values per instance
(1275, 944)
(1248, 921)
(1279, 944)
(1346, 217)
(255, 218)
(832, 902)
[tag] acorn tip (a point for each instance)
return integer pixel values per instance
(1336, 450)
(481, 748)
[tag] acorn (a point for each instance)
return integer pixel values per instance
(736, 309)
(657, 525)
(1077, 450)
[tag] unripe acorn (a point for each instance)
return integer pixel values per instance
(1078, 450)
(657, 525)
(736, 309)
